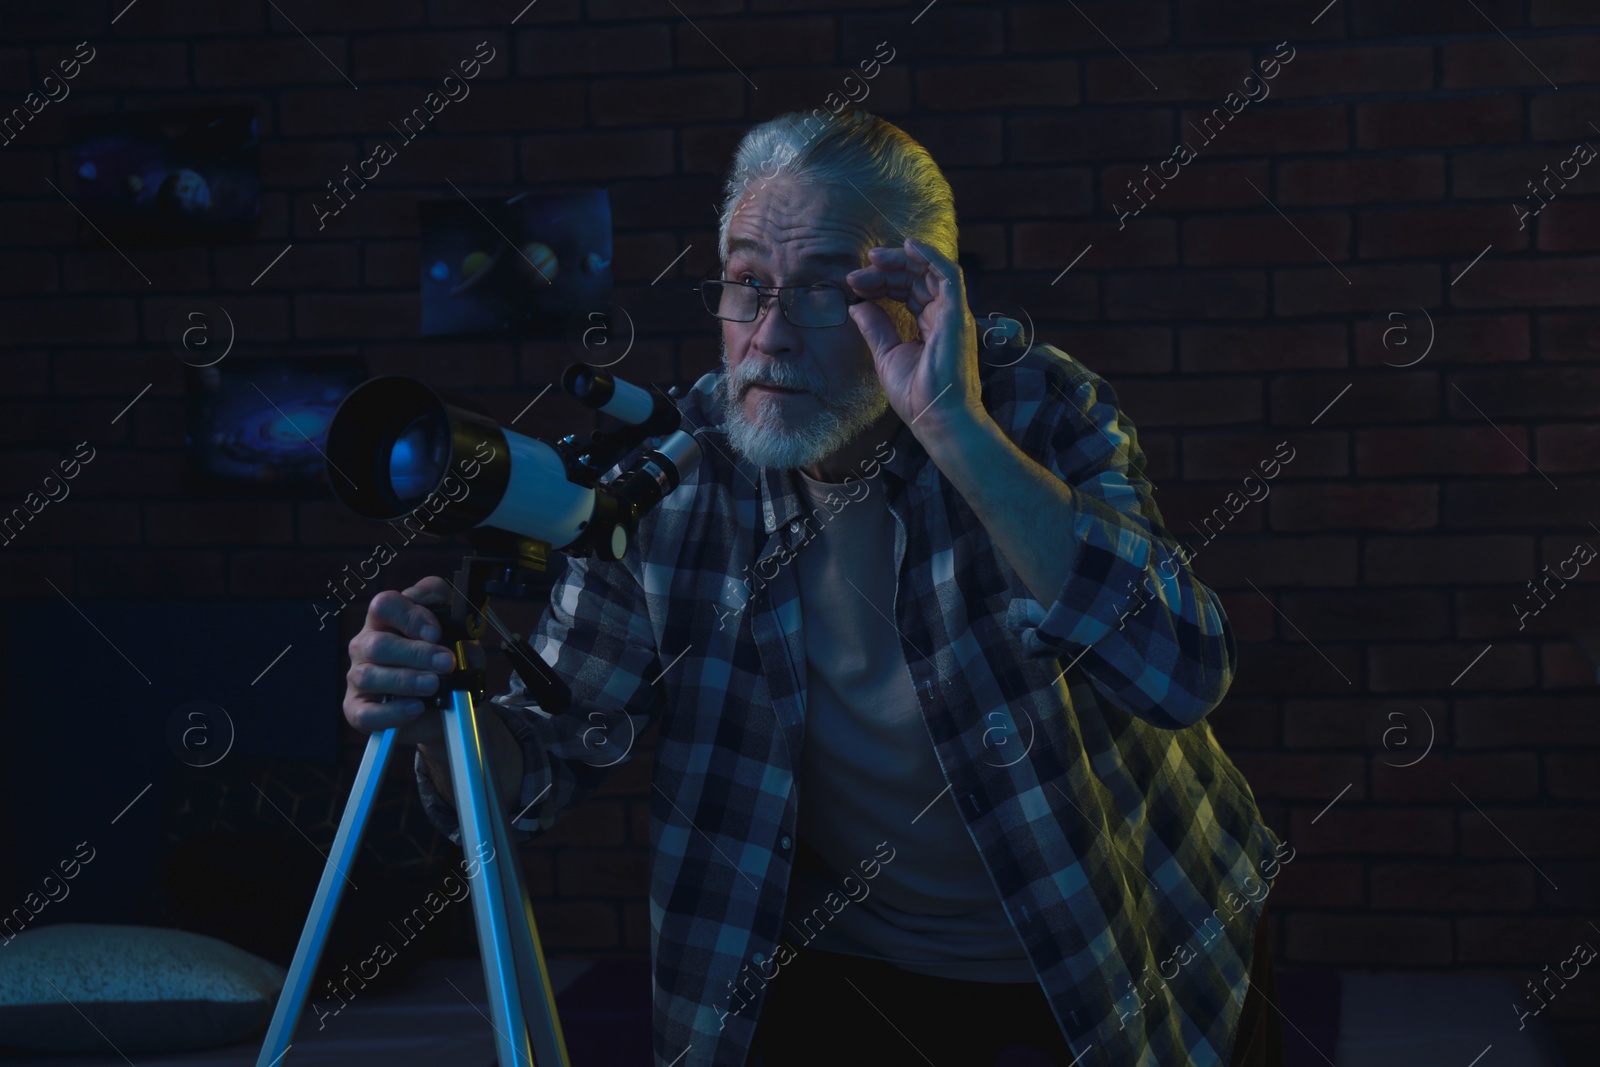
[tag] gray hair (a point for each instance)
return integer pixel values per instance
(856, 152)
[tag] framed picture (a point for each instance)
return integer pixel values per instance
(260, 423)
(514, 266)
(166, 177)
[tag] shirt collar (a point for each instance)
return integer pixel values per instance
(783, 499)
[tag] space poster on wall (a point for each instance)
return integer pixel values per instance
(260, 423)
(519, 265)
(168, 177)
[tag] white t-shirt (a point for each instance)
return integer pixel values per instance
(868, 770)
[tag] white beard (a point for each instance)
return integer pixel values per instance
(769, 441)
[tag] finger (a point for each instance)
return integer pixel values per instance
(873, 284)
(891, 262)
(414, 722)
(929, 278)
(903, 283)
(430, 590)
(925, 273)
(876, 326)
(936, 260)
(368, 712)
(400, 614)
(885, 255)
(913, 256)
(395, 650)
(376, 678)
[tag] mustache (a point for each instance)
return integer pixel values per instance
(780, 380)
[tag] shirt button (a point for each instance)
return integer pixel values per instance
(784, 842)
(794, 527)
(758, 957)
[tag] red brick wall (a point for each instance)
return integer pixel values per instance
(1280, 287)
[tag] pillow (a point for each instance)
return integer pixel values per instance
(147, 989)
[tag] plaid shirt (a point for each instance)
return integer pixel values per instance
(1119, 836)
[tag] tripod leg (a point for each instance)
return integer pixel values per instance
(527, 953)
(314, 936)
(499, 927)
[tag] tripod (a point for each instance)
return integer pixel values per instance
(527, 1030)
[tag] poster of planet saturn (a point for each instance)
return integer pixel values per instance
(517, 265)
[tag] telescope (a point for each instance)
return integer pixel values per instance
(402, 444)
(397, 449)
(440, 464)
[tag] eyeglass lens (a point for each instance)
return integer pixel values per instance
(816, 305)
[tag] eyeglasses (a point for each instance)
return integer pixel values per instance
(811, 306)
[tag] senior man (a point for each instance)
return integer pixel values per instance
(933, 780)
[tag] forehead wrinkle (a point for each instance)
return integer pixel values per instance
(819, 259)
(786, 209)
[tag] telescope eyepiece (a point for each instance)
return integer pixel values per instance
(590, 386)
(654, 413)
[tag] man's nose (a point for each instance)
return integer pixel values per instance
(773, 332)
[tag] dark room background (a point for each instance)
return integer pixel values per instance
(1387, 262)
